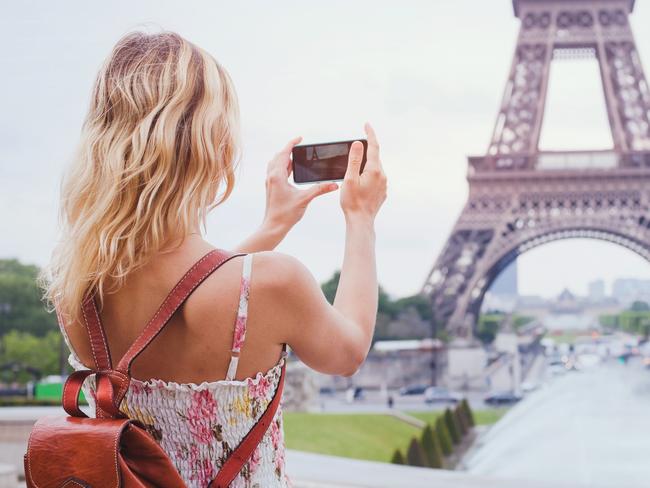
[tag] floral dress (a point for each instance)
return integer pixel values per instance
(199, 425)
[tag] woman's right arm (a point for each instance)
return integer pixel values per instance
(333, 339)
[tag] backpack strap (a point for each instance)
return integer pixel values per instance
(112, 383)
(185, 286)
(96, 334)
(242, 453)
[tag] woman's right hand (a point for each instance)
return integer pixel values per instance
(363, 194)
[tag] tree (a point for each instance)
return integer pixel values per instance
(398, 457)
(487, 328)
(463, 424)
(469, 414)
(445, 438)
(21, 350)
(431, 447)
(386, 306)
(452, 426)
(21, 305)
(421, 303)
(639, 306)
(330, 286)
(415, 454)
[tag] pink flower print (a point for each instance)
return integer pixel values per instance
(203, 470)
(240, 332)
(276, 436)
(278, 460)
(201, 415)
(259, 387)
(255, 460)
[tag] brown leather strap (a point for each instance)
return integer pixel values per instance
(110, 393)
(71, 389)
(242, 453)
(96, 334)
(185, 286)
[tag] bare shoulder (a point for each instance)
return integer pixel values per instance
(275, 271)
(218, 292)
(274, 275)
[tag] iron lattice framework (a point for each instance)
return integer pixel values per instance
(520, 197)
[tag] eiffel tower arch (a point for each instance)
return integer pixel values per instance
(521, 197)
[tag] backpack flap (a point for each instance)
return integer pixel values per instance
(73, 452)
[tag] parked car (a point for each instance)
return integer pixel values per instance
(502, 398)
(327, 391)
(413, 390)
(438, 394)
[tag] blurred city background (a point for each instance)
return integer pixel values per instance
(511, 346)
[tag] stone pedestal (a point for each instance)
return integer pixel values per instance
(300, 388)
(466, 362)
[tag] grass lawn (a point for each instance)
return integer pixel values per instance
(482, 417)
(361, 436)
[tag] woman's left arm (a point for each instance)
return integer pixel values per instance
(285, 204)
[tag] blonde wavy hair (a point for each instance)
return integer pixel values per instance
(157, 153)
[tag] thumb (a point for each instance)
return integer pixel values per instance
(354, 161)
(320, 189)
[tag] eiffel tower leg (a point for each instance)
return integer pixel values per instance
(506, 217)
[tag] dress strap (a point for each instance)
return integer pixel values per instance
(239, 334)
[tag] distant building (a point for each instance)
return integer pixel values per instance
(566, 302)
(596, 291)
(628, 290)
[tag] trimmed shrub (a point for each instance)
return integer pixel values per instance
(398, 457)
(452, 426)
(415, 455)
(431, 447)
(459, 415)
(446, 443)
(468, 412)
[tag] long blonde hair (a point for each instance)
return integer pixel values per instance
(157, 153)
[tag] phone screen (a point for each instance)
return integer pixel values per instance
(323, 162)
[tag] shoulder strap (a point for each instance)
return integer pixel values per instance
(242, 453)
(176, 297)
(185, 286)
(112, 383)
(239, 332)
(96, 334)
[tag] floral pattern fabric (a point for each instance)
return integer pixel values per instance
(198, 426)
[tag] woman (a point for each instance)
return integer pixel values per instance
(157, 153)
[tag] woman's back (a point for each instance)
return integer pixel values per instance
(158, 151)
(198, 423)
(199, 336)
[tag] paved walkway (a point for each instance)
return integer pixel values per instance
(589, 429)
(317, 471)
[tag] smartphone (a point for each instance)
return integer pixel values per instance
(323, 162)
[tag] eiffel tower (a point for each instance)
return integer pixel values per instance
(521, 197)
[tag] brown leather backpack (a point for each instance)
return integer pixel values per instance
(112, 450)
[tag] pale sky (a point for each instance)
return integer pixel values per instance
(427, 74)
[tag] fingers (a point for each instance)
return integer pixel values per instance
(281, 161)
(354, 161)
(287, 149)
(372, 159)
(320, 189)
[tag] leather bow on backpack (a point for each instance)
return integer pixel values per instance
(112, 450)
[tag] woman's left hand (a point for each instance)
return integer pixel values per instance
(286, 204)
